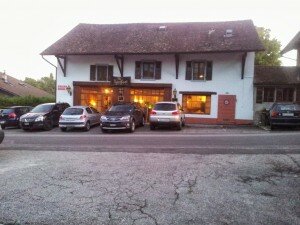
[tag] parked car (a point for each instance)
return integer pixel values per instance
(43, 116)
(1, 136)
(10, 117)
(79, 117)
(284, 114)
(167, 114)
(122, 116)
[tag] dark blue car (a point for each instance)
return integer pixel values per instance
(10, 117)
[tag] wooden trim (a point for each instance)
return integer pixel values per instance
(91, 83)
(244, 56)
(177, 64)
(135, 85)
(151, 85)
(120, 63)
(197, 93)
(63, 67)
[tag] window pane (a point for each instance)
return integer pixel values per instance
(198, 71)
(269, 94)
(148, 70)
(102, 73)
(199, 104)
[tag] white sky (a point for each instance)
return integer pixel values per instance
(27, 27)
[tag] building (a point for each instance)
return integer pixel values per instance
(207, 67)
(10, 87)
(277, 83)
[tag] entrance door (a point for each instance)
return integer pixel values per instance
(226, 109)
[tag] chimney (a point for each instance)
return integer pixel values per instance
(4, 77)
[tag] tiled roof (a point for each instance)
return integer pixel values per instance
(276, 75)
(152, 38)
(293, 44)
(16, 87)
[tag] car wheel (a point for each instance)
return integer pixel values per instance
(48, 125)
(272, 127)
(3, 127)
(63, 129)
(183, 122)
(103, 130)
(132, 127)
(87, 126)
(152, 127)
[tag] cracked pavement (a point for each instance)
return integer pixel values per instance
(49, 187)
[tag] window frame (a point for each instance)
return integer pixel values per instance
(96, 72)
(184, 105)
(142, 69)
(205, 69)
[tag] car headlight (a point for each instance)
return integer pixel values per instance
(103, 118)
(125, 118)
(39, 118)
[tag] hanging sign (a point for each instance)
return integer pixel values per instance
(61, 87)
(120, 81)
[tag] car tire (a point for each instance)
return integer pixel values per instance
(183, 122)
(132, 127)
(48, 125)
(272, 127)
(152, 127)
(104, 131)
(3, 127)
(143, 122)
(87, 126)
(63, 129)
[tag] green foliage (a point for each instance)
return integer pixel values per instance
(45, 83)
(24, 101)
(270, 57)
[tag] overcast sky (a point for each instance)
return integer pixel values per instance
(27, 27)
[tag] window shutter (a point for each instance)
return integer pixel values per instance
(110, 72)
(138, 69)
(298, 95)
(92, 72)
(157, 70)
(188, 72)
(209, 65)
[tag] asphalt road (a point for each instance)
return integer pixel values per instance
(191, 140)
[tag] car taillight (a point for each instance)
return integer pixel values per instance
(274, 114)
(152, 112)
(175, 113)
(12, 115)
(82, 117)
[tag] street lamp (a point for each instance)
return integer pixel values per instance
(69, 90)
(174, 99)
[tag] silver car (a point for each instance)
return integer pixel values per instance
(167, 114)
(79, 117)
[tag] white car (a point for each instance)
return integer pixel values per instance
(79, 117)
(167, 114)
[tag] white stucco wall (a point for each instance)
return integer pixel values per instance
(226, 77)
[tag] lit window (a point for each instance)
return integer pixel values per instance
(197, 104)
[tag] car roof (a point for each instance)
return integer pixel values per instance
(79, 106)
(14, 107)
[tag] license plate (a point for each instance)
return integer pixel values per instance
(287, 114)
(164, 120)
(2, 122)
(112, 125)
(26, 124)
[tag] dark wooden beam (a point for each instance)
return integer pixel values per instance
(63, 65)
(177, 65)
(244, 56)
(120, 63)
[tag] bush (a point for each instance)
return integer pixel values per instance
(24, 101)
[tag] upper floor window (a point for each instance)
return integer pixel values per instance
(198, 70)
(101, 72)
(148, 70)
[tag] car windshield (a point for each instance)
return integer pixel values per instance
(73, 111)
(165, 107)
(7, 111)
(120, 108)
(42, 108)
(290, 107)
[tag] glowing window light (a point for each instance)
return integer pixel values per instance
(93, 103)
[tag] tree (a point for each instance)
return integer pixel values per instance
(269, 57)
(45, 83)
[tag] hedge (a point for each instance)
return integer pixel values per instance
(24, 101)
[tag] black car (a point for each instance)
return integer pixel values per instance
(43, 116)
(284, 114)
(10, 117)
(124, 116)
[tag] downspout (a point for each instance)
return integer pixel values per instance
(55, 75)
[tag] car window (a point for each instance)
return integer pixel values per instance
(89, 111)
(288, 107)
(121, 108)
(7, 111)
(73, 111)
(165, 107)
(42, 108)
(94, 110)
